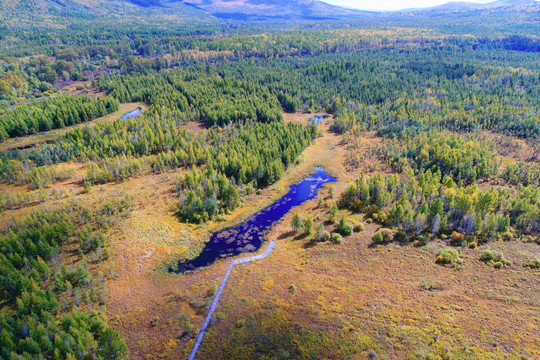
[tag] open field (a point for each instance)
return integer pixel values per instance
(392, 300)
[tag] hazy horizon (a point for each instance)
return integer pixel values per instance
(389, 5)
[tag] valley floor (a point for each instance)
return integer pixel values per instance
(349, 299)
(307, 299)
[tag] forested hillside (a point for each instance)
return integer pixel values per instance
(425, 246)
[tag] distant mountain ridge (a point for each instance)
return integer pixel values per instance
(58, 12)
(492, 15)
(283, 9)
(458, 5)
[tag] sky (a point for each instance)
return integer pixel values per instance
(393, 4)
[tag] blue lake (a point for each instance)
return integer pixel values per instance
(249, 235)
(132, 114)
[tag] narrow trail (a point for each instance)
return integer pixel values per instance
(220, 291)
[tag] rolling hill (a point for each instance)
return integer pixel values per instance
(59, 13)
(279, 9)
(490, 15)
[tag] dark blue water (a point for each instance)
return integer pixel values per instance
(132, 114)
(249, 236)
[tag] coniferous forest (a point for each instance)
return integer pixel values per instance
(427, 245)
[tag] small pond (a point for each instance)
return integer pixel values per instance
(132, 114)
(249, 235)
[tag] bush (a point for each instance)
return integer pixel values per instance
(327, 236)
(533, 264)
(448, 257)
(308, 226)
(336, 238)
(472, 245)
(388, 235)
(358, 227)
(344, 228)
(400, 236)
(456, 238)
(212, 290)
(491, 257)
(421, 240)
(378, 238)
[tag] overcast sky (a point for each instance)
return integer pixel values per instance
(393, 4)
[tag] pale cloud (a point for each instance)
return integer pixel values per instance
(392, 4)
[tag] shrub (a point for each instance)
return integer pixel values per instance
(333, 213)
(388, 235)
(533, 264)
(212, 290)
(336, 238)
(491, 257)
(292, 288)
(308, 226)
(456, 238)
(371, 210)
(400, 236)
(472, 245)
(358, 227)
(448, 257)
(344, 228)
(378, 238)
(429, 285)
(326, 236)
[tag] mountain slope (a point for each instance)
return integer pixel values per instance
(23, 14)
(466, 6)
(493, 15)
(282, 9)
(19, 14)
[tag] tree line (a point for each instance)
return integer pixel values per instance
(428, 205)
(53, 113)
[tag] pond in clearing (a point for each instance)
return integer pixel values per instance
(132, 114)
(249, 235)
